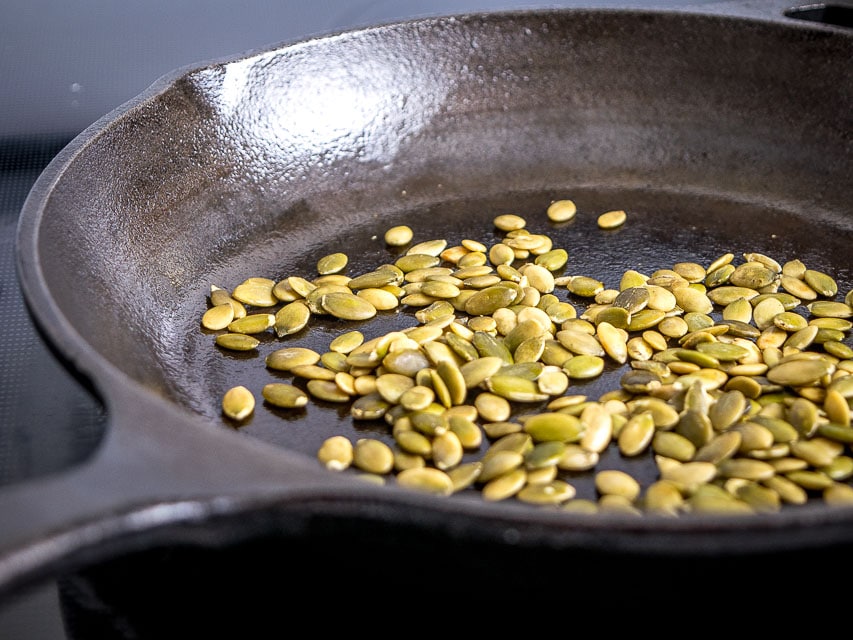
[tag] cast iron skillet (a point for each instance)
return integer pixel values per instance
(715, 132)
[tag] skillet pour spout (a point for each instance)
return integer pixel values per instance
(715, 132)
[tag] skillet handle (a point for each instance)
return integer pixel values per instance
(832, 14)
(156, 468)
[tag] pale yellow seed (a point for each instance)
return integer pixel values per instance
(427, 480)
(238, 403)
(218, 317)
(505, 486)
(256, 292)
(492, 407)
(336, 453)
(373, 456)
(612, 219)
(509, 222)
(561, 211)
(616, 482)
(332, 263)
(398, 236)
(381, 299)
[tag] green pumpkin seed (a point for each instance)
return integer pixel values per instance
(673, 445)
(719, 276)
(752, 275)
(347, 306)
(726, 294)
(544, 454)
(560, 427)
(798, 373)
(376, 279)
(580, 343)
(830, 309)
(465, 475)
(636, 435)
(810, 480)
(447, 450)
(237, 341)
(327, 390)
(286, 396)
(822, 283)
(252, 324)
(797, 288)
(332, 263)
(584, 286)
(553, 260)
(584, 367)
(291, 318)
(505, 486)
(373, 456)
(346, 342)
(257, 292)
(499, 463)
(288, 357)
(515, 388)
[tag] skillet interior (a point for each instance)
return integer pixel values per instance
(714, 134)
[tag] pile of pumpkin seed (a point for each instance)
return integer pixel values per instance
(737, 379)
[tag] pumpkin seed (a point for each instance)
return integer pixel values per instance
(612, 219)
(218, 317)
(427, 480)
(617, 482)
(237, 341)
(509, 222)
(373, 456)
(398, 236)
(798, 373)
(288, 357)
(336, 453)
(663, 497)
(549, 493)
(447, 450)
(291, 318)
(554, 426)
(252, 323)
(238, 403)
(636, 435)
(327, 390)
(561, 211)
(287, 396)
(257, 292)
(504, 486)
(347, 306)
